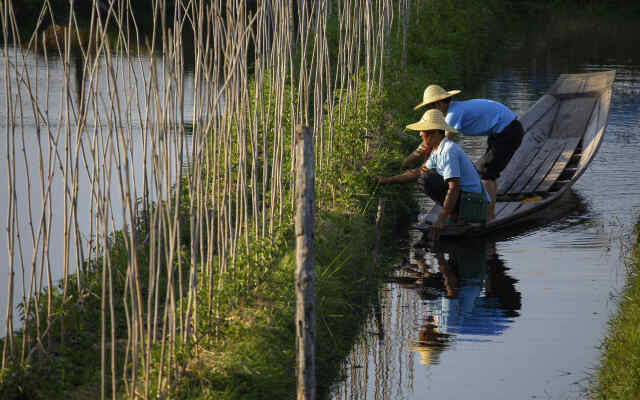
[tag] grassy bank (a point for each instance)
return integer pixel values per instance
(253, 354)
(618, 376)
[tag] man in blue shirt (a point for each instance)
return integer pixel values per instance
(480, 117)
(447, 171)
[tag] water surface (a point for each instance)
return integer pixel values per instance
(34, 141)
(519, 315)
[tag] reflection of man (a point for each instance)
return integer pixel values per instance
(476, 297)
(500, 287)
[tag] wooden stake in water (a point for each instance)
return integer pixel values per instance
(304, 275)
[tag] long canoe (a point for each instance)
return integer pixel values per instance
(563, 131)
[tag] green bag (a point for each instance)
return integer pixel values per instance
(473, 208)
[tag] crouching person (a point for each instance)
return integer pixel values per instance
(447, 173)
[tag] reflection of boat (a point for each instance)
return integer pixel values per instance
(469, 294)
(563, 132)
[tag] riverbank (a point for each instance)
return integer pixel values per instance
(252, 356)
(618, 376)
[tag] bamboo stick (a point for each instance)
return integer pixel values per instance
(304, 274)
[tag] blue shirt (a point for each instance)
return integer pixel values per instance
(479, 117)
(450, 161)
(471, 313)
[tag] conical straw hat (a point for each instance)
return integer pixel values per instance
(432, 119)
(435, 93)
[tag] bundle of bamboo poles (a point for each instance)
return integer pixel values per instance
(112, 136)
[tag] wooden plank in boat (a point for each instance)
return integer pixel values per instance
(589, 151)
(546, 166)
(508, 209)
(568, 85)
(593, 125)
(605, 103)
(591, 143)
(559, 166)
(534, 164)
(519, 207)
(500, 205)
(527, 206)
(599, 81)
(572, 117)
(539, 110)
(456, 230)
(531, 144)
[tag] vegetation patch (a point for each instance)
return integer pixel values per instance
(618, 376)
(251, 354)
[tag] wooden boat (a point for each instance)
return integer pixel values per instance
(564, 129)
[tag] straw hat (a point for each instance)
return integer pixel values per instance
(435, 93)
(432, 119)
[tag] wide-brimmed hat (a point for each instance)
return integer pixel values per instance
(432, 119)
(435, 93)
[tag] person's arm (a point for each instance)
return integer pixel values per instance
(417, 155)
(450, 279)
(448, 206)
(409, 176)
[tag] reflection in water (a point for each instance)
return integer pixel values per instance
(466, 293)
(457, 292)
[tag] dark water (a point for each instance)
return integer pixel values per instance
(521, 315)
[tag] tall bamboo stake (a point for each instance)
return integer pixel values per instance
(304, 274)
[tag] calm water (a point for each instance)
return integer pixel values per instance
(531, 306)
(48, 85)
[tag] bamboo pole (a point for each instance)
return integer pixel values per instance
(304, 275)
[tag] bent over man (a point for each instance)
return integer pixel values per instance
(480, 117)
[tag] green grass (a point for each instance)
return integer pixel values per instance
(254, 356)
(618, 376)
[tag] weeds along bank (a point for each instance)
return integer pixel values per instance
(618, 376)
(194, 297)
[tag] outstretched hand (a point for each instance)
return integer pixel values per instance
(382, 179)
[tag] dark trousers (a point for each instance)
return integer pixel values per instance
(500, 149)
(436, 188)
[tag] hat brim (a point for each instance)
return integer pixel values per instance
(429, 126)
(437, 98)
